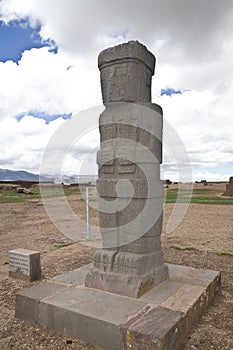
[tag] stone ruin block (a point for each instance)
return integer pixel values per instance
(229, 188)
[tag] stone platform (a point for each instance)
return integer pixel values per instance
(160, 319)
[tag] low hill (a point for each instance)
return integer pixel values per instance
(12, 175)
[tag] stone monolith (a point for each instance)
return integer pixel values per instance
(130, 190)
(229, 188)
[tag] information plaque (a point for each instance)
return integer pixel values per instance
(24, 264)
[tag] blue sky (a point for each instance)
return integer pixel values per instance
(43, 115)
(48, 70)
(170, 91)
(18, 36)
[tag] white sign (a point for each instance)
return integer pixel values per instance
(19, 262)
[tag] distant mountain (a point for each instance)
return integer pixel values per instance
(81, 179)
(11, 175)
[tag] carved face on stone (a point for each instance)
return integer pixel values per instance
(126, 72)
(126, 81)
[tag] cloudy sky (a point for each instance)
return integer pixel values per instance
(48, 71)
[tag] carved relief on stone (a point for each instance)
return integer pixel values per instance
(129, 185)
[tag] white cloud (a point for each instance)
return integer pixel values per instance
(204, 124)
(192, 41)
(188, 30)
(41, 81)
(22, 142)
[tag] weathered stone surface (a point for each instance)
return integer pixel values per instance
(159, 319)
(19, 190)
(192, 276)
(90, 315)
(108, 188)
(126, 283)
(183, 298)
(131, 76)
(24, 264)
(74, 277)
(229, 188)
(162, 292)
(28, 300)
(23, 190)
(129, 185)
(160, 329)
(177, 270)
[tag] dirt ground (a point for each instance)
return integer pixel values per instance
(204, 239)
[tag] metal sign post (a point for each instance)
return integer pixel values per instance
(87, 213)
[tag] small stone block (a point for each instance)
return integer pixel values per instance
(184, 298)
(74, 277)
(91, 315)
(206, 275)
(28, 300)
(24, 264)
(162, 292)
(177, 270)
(197, 277)
(161, 329)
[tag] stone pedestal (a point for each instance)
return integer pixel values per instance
(129, 158)
(160, 319)
(229, 188)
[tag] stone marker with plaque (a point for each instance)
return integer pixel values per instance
(24, 264)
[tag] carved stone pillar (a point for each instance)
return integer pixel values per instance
(129, 185)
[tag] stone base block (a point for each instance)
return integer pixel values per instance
(128, 285)
(160, 319)
(126, 273)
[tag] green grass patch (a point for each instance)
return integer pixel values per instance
(62, 245)
(198, 196)
(186, 249)
(213, 200)
(9, 194)
(224, 254)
